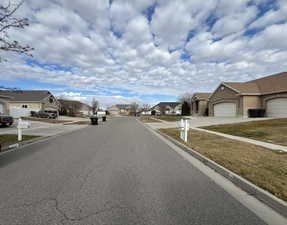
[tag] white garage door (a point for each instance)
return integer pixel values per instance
(225, 110)
(21, 112)
(1, 108)
(277, 107)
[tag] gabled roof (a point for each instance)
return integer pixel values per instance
(250, 88)
(25, 96)
(73, 103)
(123, 106)
(166, 104)
(201, 95)
(266, 85)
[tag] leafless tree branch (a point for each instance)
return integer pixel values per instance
(7, 22)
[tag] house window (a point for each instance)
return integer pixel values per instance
(25, 106)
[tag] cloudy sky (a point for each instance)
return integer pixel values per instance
(145, 50)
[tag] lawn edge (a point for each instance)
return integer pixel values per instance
(23, 144)
(262, 195)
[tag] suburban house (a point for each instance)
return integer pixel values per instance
(123, 109)
(167, 108)
(20, 103)
(113, 110)
(73, 107)
(199, 104)
(232, 99)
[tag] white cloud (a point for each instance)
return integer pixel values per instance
(146, 59)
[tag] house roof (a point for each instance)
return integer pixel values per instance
(165, 104)
(25, 95)
(73, 103)
(261, 86)
(250, 88)
(123, 106)
(202, 95)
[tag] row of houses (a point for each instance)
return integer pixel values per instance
(229, 99)
(20, 103)
(233, 99)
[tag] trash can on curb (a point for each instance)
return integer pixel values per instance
(104, 118)
(94, 120)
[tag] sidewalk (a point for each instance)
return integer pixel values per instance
(248, 140)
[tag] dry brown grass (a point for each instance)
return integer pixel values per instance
(9, 139)
(148, 119)
(263, 167)
(170, 118)
(45, 120)
(272, 131)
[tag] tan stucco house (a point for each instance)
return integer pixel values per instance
(20, 103)
(232, 99)
(199, 104)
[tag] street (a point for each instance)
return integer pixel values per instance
(116, 173)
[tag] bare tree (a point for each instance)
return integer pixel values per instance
(7, 22)
(145, 107)
(186, 97)
(134, 108)
(95, 105)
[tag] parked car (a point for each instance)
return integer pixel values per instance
(52, 114)
(6, 120)
(49, 114)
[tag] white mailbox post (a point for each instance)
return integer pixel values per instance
(184, 128)
(22, 125)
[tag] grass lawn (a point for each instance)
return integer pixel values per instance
(9, 139)
(272, 131)
(263, 167)
(148, 119)
(170, 118)
(45, 120)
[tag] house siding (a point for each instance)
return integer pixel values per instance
(250, 102)
(225, 95)
(30, 105)
(202, 107)
(4, 104)
(46, 104)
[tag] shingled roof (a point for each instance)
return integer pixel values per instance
(25, 96)
(261, 86)
(165, 104)
(202, 95)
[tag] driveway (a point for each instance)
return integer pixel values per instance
(119, 173)
(204, 121)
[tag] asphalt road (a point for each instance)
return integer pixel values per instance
(117, 173)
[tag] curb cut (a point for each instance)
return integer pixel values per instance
(268, 199)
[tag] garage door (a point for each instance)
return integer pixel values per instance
(277, 107)
(225, 110)
(1, 108)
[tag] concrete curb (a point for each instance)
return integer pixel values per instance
(270, 200)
